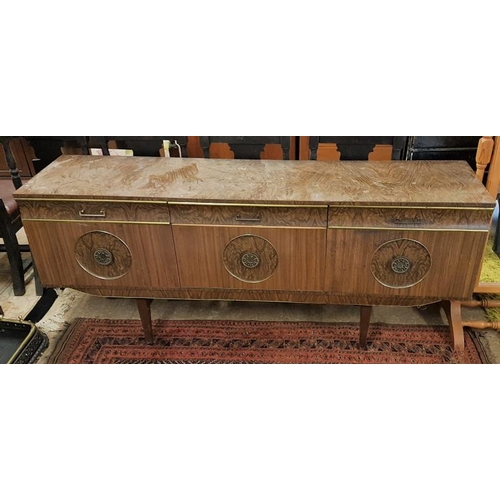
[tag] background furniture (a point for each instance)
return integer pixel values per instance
(141, 146)
(14, 152)
(246, 147)
(488, 160)
(48, 148)
(352, 148)
(399, 235)
(442, 148)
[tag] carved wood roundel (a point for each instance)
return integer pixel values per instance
(103, 255)
(400, 263)
(250, 258)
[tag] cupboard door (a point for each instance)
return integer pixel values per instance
(105, 255)
(250, 257)
(403, 263)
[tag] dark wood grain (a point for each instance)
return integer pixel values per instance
(249, 215)
(103, 255)
(447, 183)
(95, 210)
(409, 217)
(400, 263)
(250, 258)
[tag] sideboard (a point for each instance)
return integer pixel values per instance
(360, 233)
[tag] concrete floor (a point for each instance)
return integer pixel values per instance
(72, 304)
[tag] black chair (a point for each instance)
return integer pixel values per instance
(11, 223)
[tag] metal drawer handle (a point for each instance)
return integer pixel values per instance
(247, 219)
(102, 213)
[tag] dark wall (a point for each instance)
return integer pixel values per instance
(48, 148)
(443, 148)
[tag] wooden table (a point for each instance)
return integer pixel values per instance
(362, 233)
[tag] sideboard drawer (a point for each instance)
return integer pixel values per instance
(409, 217)
(249, 215)
(95, 210)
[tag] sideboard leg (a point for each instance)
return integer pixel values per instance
(452, 309)
(144, 306)
(364, 324)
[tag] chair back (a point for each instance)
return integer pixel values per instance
(246, 147)
(17, 159)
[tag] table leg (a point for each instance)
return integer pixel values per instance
(364, 324)
(452, 309)
(144, 306)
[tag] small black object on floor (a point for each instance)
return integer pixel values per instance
(20, 341)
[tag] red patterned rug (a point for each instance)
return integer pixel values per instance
(205, 342)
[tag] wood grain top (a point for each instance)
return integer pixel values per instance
(436, 183)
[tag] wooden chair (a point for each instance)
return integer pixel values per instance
(14, 151)
(352, 148)
(246, 147)
(487, 155)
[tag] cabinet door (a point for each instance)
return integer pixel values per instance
(442, 264)
(105, 255)
(250, 257)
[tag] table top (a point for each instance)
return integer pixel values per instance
(425, 183)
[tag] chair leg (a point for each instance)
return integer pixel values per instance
(15, 260)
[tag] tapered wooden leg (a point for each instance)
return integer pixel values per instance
(364, 324)
(144, 306)
(452, 309)
(38, 283)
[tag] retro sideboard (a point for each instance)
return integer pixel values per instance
(362, 233)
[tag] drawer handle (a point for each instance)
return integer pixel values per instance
(247, 219)
(102, 213)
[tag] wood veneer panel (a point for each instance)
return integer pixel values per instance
(200, 254)
(260, 296)
(409, 217)
(97, 210)
(455, 262)
(151, 248)
(261, 181)
(249, 215)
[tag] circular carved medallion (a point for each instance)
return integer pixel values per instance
(103, 255)
(400, 263)
(250, 258)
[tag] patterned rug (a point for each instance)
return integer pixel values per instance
(205, 342)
